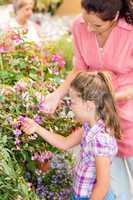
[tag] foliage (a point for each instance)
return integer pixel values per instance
(2, 2)
(47, 5)
(12, 183)
(20, 57)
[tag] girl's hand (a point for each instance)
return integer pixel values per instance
(29, 126)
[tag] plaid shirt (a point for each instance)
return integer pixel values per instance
(95, 142)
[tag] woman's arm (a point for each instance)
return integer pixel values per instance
(52, 100)
(102, 178)
(54, 139)
(126, 94)
(79, 64)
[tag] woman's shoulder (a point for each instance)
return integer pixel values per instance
(124, 25)
(78, 22)
(13, 23)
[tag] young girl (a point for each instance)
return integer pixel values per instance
(93, 104)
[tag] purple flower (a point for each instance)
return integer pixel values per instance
(21, 119)
(38, 119)
(17, 132)
(17, 142)
(42, 106)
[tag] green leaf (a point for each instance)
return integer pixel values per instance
(2, 98)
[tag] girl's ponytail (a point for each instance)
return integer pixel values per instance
(106, 106)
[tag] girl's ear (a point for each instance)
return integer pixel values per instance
(91, 106)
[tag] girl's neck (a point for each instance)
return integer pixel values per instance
(92, 122)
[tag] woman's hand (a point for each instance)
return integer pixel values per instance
(29, 126)
(126, 94)
(51, 102)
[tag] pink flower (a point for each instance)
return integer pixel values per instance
(3, 49)
(20, 86)
(42, 157)
(56, 58)
(62, 63)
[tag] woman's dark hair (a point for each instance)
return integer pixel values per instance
(98, 88)
(107, 9)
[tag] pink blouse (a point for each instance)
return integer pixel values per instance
(116, 57)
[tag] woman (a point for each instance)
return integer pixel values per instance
(103, 41)
(23, 12)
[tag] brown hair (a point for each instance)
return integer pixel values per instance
(107, 9)
(18, 4)
(98, 88)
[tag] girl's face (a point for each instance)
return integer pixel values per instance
(26, 11)
(84, 110)
(95, 23)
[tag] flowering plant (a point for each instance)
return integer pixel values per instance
(27, 74)
(20, 57)
(25, 99)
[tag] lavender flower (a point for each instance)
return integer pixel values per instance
(38, 119)
(21, 119)
(17, 132)
(42, 106)
(17, 142)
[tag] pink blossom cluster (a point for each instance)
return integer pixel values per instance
(58, 59)
(20, 86)
(43, 156)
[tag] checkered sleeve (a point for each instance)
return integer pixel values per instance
(104, 145)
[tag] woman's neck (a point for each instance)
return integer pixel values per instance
(21, 21)
(107, 31)
(103, 37)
